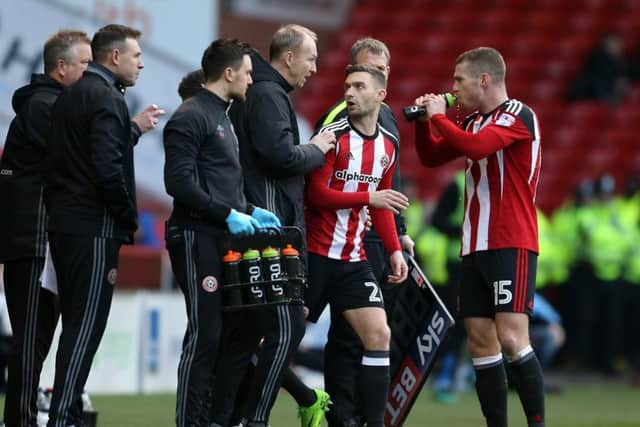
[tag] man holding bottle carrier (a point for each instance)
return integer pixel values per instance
(205, 179)
(274, 162)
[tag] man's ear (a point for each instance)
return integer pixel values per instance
(288, 58)
(381, 95)
(485, 79)
(60, 68)
(228, 74)
(115, 56)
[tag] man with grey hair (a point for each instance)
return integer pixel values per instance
(32, 309)
(274, 164)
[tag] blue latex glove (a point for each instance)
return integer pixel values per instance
(265, 218)
(241, 224)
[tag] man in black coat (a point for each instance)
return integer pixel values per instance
(204, 177)
(91, 200)
(274, 163)
(23, 220)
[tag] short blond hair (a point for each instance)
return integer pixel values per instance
(369, 44)
(485, 60)
(289, 37)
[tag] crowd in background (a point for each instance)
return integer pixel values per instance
(607, 72)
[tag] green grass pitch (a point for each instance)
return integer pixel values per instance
(604, 405)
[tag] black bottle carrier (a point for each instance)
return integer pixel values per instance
(266, 280)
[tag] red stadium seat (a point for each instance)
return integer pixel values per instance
(435, 44)
(546, 21)
(557, 69)
(575, 46)
(584, 21)
(545, 91)
(333, 60)
(522, 66)
(626, 115)
(544, 44)
(587, 112)
(408, 89)
(634, 95)
(498, 20)
(531, 45)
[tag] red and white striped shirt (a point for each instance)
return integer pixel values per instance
(503, 166)
(337, 194)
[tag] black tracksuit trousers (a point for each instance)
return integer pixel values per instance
(33, 313)
(197, 266)
(86, 269)
(281, 327)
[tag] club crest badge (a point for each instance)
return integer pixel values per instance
(112, 276)
(384, 161)
(220, 131)
(506, 120)
(210, 284)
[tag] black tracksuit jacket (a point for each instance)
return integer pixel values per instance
(273, 161)
(202, 170)
(91, 190)
(23, 217)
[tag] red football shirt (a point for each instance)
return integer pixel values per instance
(337, 194)
(503, 166)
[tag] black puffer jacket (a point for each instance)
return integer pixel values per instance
(23, 217)
(273, 161)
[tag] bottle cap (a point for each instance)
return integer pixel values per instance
(251, 254)
(290, 251)
(269, 252)
(450, 99)
(232, 256)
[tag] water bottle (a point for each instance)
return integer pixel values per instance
(272, 270)
(412, 112)
(293, 266)
(231, 272)
(251, 272)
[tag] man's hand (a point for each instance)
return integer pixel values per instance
(389, 199)
(407, 244)
(399, 268)
(265, 218)
(325, 141)
(148, 119)
(241, 224)
(435, 104)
